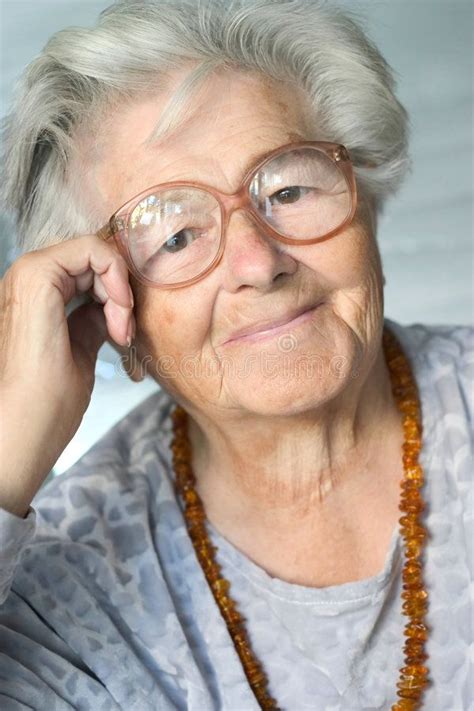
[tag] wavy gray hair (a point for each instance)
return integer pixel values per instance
(136, 45)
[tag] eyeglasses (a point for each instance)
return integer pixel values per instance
(173, 234)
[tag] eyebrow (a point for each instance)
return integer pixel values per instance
(254, 158)
(178, 195)
(257, 157)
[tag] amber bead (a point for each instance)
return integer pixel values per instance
(195, 514)
(405, 705)
(414, 671)
(417, 532)
(413, 694)
(221, 586)
(416, 660)
(414, 587)
(412, 504)
(409, 485)
(234, 628)
(413, 646)
(190, 497)
(411, 495)
(411, 531)
(416, 595)
(417, 630)
(412, 566)
(415, 473)
(420, 661)
(413, 548)
(415, 610)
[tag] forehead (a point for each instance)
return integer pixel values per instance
(231, 120)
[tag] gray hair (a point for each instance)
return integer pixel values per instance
(133, 50)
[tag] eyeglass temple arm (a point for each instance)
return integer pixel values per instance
(104, 233)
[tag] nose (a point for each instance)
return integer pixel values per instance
(252, 257)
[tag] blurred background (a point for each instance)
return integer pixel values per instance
(426, 235)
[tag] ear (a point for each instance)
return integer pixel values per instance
(130, 361)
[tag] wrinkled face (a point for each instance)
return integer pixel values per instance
(183, 334)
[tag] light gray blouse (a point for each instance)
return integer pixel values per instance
(106, 607)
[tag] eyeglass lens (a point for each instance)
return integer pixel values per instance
(174, 234)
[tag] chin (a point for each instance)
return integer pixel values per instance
(294, 386)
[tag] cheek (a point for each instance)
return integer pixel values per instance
(156, 318)
(167, 318)
(171, 323)
(342, 262)
(356, 256)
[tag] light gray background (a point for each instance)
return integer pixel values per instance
(426, 235)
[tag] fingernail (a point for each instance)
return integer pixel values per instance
(132, 302)
(129, 334)
(132, 326)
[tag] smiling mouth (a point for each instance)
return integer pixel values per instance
(271, 331)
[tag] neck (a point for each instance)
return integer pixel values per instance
(283, 470)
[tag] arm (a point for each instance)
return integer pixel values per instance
(38, 670)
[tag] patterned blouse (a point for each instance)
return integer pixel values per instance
(103, 604)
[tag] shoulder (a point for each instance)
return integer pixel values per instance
(451, 342)
(442, 357)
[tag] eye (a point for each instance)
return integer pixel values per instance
(179, 240)
(289, 195)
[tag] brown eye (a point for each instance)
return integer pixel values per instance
(289, 195)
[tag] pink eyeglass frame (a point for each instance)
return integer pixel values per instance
(116, 228)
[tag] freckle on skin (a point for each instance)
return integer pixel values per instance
(168, 317)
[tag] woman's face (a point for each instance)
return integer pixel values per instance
(182, 333)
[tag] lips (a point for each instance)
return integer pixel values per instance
(267, 325)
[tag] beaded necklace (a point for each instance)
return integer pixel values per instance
(414, 674)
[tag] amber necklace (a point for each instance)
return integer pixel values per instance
(414, 674)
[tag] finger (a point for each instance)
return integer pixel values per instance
(84, 281)
(88, 253)
(120, 323)
(99, 289)
(120, 320)
(92, 264)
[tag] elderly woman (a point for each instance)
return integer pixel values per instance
(284, 524)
